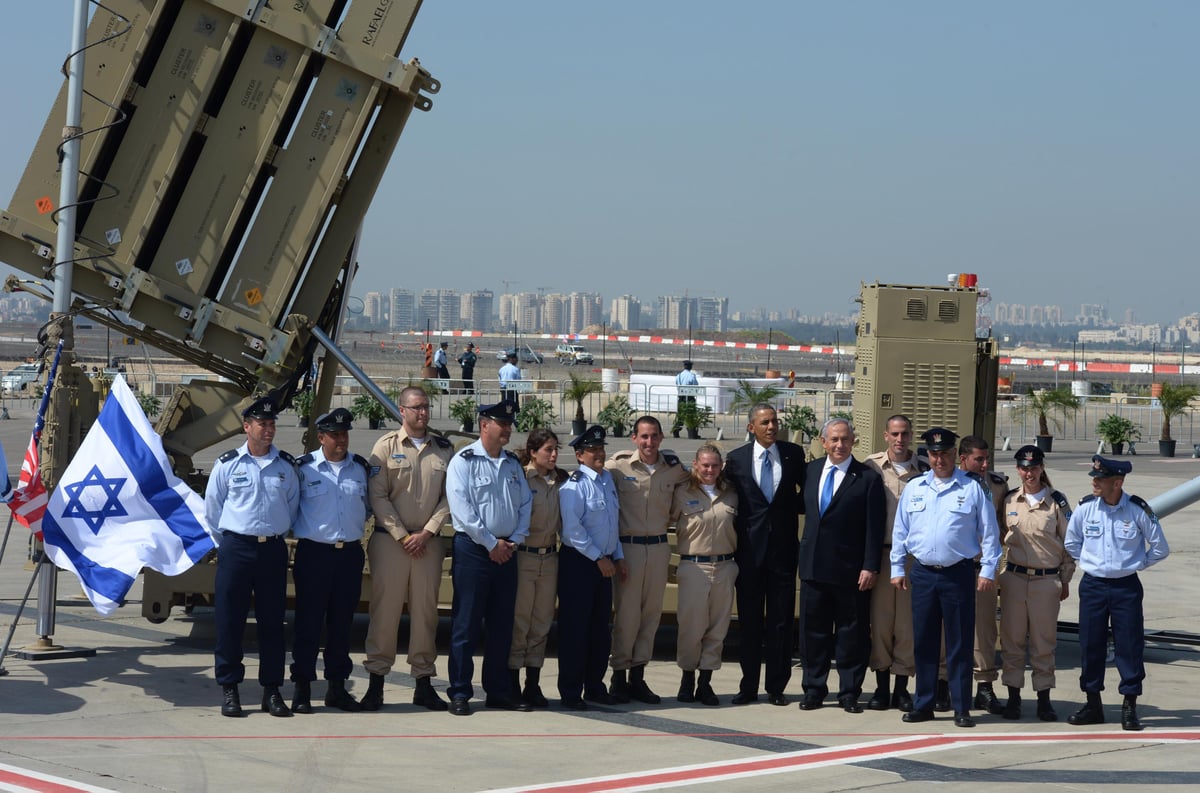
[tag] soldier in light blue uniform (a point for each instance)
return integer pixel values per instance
(591, 556)
(490, 505)
(328, 565)
(251, 502)
(1113, 535)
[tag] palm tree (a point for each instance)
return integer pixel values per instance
(746, 395)
(578, 390)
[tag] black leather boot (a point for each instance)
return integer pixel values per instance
(424, 695)
(273, 702)
(901, 699)
(302, 697)
(883, 692)
(1045, 711)
(687, 687)
(986, 699)
(231, 703)
(533, 689)
(373, 699)
(1129, 717)
(638, 688)
(337, 697)
(1091, 713)
(618, 689)
(1012, 709)
(704, 692)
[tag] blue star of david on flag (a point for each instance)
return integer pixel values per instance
(84, 491)
(119, 507)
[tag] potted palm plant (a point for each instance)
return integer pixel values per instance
(1117, 431)
(368, 407)
(800, 421)
(463, 411)
(302, 403)
(1173, 401)
(693, 417)
(536, 412)
(615, 416)
(1048, 407)
(578, 390)
(746, 395)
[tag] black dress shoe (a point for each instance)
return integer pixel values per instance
(850, 704)
(602, 697)
(902, 700)
(574, 704)
(1129, 718)
(302, 698)
(811, 701)
(744, 698)
(941, 700)
(879, 700)
(779, 700)
(963, 720)
(273, 702)
(460, 706)
(1088, 714)
(231, 703)
(507, 703)
(917, 716)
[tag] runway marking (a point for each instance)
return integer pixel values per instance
(838, 755)
(21, 781)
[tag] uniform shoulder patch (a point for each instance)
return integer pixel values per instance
(229, 456)
(1141, 502)
(671, 458)
(305, 460)
(998, 478)
(575, 476)
(511, 455)
(1062, 502)
(287, 458)
(443, 442)
(358, 458)
(1086, 499)
(974, 476)
(1012, 491)
(467, 452)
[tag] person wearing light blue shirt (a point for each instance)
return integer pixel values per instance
(591, 556)
(490, 505)
(328, 564)
(944, 520)
(509, 373)
(250, 503)
(1113, 535)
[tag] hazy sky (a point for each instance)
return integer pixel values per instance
(777, 153)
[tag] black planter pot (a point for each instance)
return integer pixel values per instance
(1045, 442)
(1118, 448)
(1166, 448)
(693, 434)
(578, 427)
(468, 426)
(619, 431)
(375, 423)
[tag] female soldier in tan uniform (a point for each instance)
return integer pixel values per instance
(703, 511)
(537, 565)
(1034, 582)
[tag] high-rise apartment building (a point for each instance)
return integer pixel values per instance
(402, 311)
(373, 313)
(476, 311)
(625, 313)
(439, 309)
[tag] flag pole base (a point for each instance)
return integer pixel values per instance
(45, 650)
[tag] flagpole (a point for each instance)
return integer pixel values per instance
(12, 629)
(7, 531)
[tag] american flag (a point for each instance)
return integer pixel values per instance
(30, 498)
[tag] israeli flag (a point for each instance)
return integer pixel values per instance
(118, 507)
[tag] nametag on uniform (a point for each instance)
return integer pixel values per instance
(399, 457)
(916, 504)
(239, 480)
(630, 478)
(1013, 514)
(693, 503)
(1091, 530)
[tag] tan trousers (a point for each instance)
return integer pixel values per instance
(1029, 607)
(705, 608)
(892, 626)
(537, 583)
(986, 633)
(395, 578)
(638, 603)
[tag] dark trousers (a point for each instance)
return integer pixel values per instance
(485, 593)
(834, 624)
(511, 396)
(1115, 601)
(328, 587)
(943, 597)
(769, 590)
(584, 639)
(468, 376)
(249, 570)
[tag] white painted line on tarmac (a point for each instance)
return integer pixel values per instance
(19, 780)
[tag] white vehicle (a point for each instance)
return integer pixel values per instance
(570, 354)
(19, 378)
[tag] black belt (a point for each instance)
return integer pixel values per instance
(336, 544)
(655, 540)
(549, 549)
(959, 563)
(1016, 568)
(691, 557)
(251, 537)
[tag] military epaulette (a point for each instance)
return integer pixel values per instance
(624, 454)
(1010, 493)
(671, 458)
(512, 455)
(358, 458)
(576, 475)
(998, 478)
(305, 460)
(1141, 502)
(467, 452)
(1086, 499)
(287, 458)
(1062, 502)
(977, 477)
(229, 456)
(442, 442)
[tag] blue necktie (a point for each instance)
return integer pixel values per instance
(766, 476)
(827, 491)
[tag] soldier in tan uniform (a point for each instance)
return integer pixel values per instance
(408, 496)
(537, 566)
(973, 459)
(891, 608)
(646, 480)
(703, 512)
(1036, 579)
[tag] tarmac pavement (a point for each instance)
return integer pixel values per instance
(142, 714)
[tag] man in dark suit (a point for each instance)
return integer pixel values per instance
(840, 552)
(769, 477)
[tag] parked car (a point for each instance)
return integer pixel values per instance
(19, 378)
(527, 355)
(570, 354)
